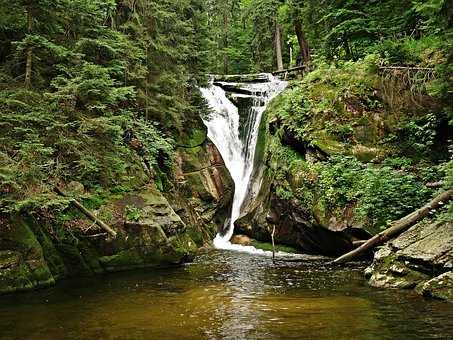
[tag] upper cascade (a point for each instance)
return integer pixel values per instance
(235, 136)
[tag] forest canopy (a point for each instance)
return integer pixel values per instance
(90, 90)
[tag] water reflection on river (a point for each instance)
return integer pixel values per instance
(225, 295)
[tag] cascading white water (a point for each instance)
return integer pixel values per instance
(238, 150)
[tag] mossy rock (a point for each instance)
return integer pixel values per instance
(440, 287)
(366, 154)
(53, 258)
(327, 145)
(415, 260)
(23, 264)
(125, 259)
(278, 247)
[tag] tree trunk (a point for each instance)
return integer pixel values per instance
(29, 60)
(397, 227)
(273, 243)
(292, 69)
(89, 214)
(303, 43)
(347, 48)
(278, 47)
(225, 43)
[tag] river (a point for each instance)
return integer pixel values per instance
(225, 295)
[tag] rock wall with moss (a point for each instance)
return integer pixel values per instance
(347, 149)
(162, 211)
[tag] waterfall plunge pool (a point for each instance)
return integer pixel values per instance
(225, 295)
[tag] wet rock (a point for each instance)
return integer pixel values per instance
(204, 191)
(33, 255)
(293, 227)
(22, 262)
(238, 88)
(440, 287)
(420, 258)
(243, 240)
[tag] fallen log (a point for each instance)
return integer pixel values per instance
(358, 243)
(397, 227)
(297, 68)
(88, 213)
(242, 78)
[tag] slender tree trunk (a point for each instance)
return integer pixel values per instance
(303, 43)
(278, 47)
(273, 243)
(225, 43)
(88, 213)
(347, 48)
(147, 85)
(29, 59)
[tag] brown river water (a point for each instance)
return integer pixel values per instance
(225, 295)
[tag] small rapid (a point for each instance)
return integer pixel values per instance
(237, 141)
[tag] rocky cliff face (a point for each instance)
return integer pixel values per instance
(340, 162)
(420, 259)
(156, 228)
(293, 227)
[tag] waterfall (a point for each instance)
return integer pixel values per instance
(236, 139)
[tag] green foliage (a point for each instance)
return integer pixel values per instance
(106, 79)
(132, 213)
(243, 31)
(388, 195)
(338, 109)
(379, 194)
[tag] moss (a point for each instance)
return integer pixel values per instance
(73, 259)
(123, 260)
(31, 269)
(278, 247)
(197, 137)
(365, 154)
(327, 144)
(184, 245)
(440, 287)
(51, 255)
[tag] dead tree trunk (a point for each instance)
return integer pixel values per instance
(303, 43)
(225, 43)
(29, 57)
(278, 47)
(89, 214)
(397, 227)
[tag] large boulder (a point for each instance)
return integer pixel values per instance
(36, 251)
(420, 258)
(22, 262)
(293, 227)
